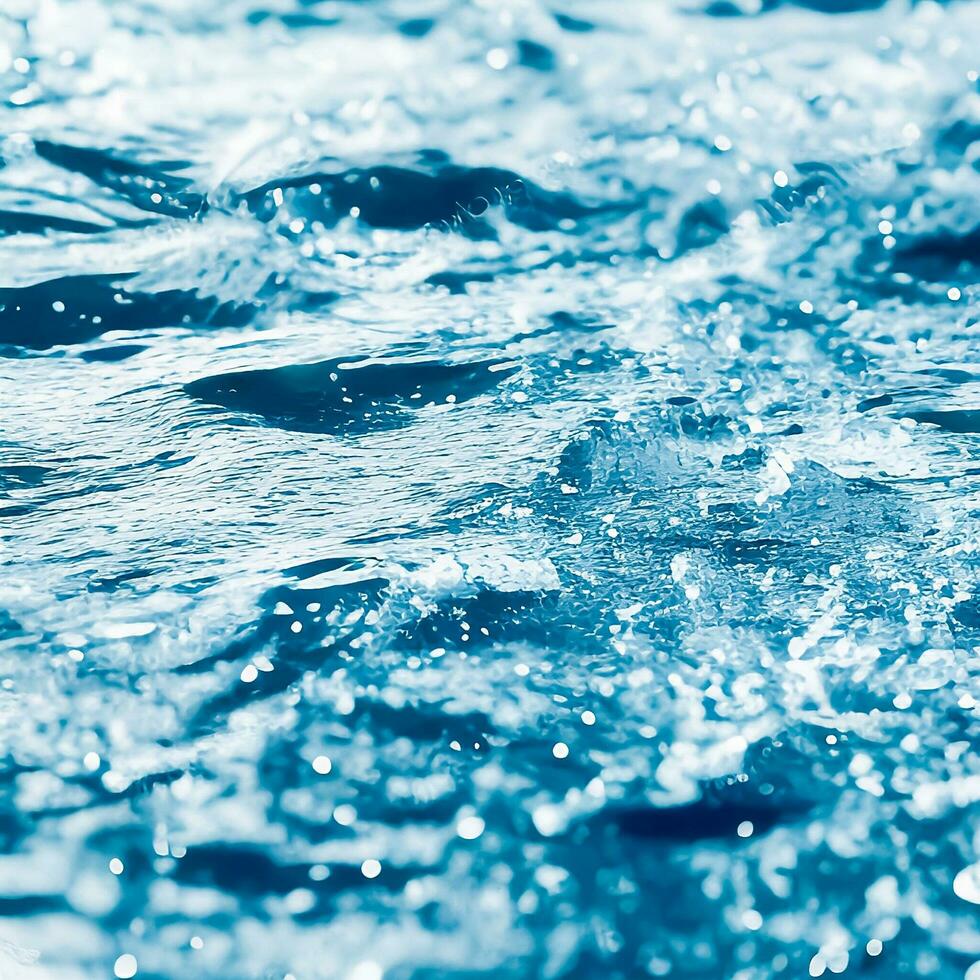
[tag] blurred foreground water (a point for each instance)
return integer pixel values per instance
(489, 489)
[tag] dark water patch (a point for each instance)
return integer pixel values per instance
(309, 301)
(968, 613)
(425, 724)
(74, 309)
(574, 24)
(954, 140)
(701, 225)
(14, 824)
(296, 20)
(9, 626)
(939, 257)
(964, 421)
(27, 905)
(17, 510)
(954, 376)
(416, 27)
(110, 355)
(878, 401)
(725, 8)
(487, 618)
(240, 870)
(312, 570)
(449, 197)
(839, 6)
(31, 223)
(345, 396)
(711, 817)
(150, 187)
(777, 792)
(303, 20)
(248, 872)
(456, 282)
(537, 56)
(22, 476)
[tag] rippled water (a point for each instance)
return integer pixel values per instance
(489, 489)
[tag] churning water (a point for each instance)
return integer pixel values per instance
(489, 489)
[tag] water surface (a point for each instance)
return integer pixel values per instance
(489, 489)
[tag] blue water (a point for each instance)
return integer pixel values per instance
(489, 489)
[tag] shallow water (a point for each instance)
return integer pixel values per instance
(489, 489)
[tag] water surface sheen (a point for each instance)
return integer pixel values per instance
(489, 489)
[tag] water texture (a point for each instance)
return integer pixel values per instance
(489, 489)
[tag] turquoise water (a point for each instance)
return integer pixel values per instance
(489, 489)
